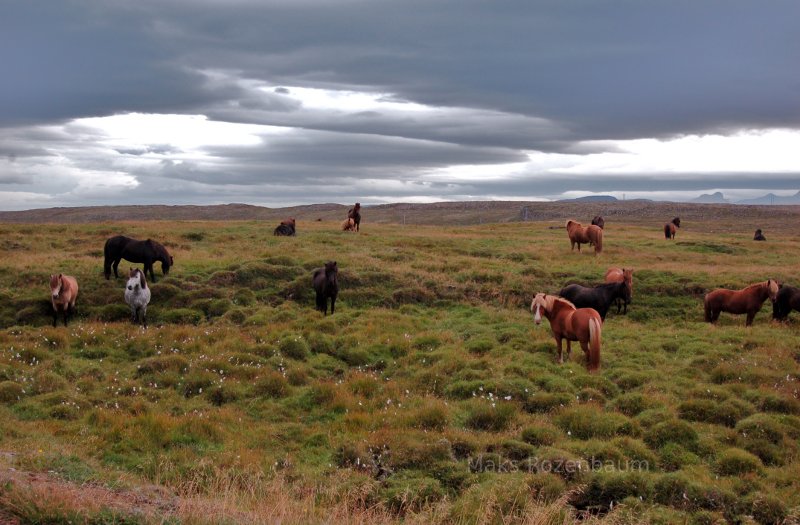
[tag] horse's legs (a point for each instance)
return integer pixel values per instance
(148, 267)
(333, 302)
(66, 311)
(144, 316)
(569, 348)
(107, 268)
(560, 353)
(585, 347)
(115, 265)
(322, 305)
(55, 316)
(750, 316)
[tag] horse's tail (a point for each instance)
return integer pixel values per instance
(598, 241)
(707, 308)
(595, 337)
(667, 231)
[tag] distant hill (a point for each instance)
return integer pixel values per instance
(592, 198)
(711, 198)
(772, 199)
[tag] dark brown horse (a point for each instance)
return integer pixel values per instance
(759, 236)
(670, 228)
(63, 294)
(570, 323)
(326, 284)
(599, 221)
(355, 214)
(286, 228)
(598, 297)
(618, 275)
(746, 301)
(145, 252)
(788, 299)
(591, 235)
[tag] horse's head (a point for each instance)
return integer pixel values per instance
(331, 270)
(55, 285)
(772, 288)
(538, 305)
(677, 221)
(136, 280)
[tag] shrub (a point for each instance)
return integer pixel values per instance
(543, 435)
(10, 392)
(182, 316)
(224, 393)
(760, 426)
(595, 382)
(673, 431)
(272, 385)
(321, 343)
(158, 364)
(735, 461)
(586, 421)
(516, 450)
(543, 402)
(431, 416)
(766, 509)
(632, 404)
(674, 457)
(483, 416)
(547, 487)
(606, 487)
(480, 346)
(726, 413)
(294, 347)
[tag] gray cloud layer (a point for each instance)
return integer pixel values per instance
(510, 77)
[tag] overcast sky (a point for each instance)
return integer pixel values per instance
(284, 102)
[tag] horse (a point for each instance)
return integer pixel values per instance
(137, 295)
(592, 235)
(669, 228)
(355, 214)
(746, 301)
(599, 297)
(570, 323)
(286, 228)
(599, 221)
(616, 275)
(146, 252)
(788, 299)
(326, 284)
(759, 236)
(349, 225)
(63, 294)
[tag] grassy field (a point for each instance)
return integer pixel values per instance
(429, 397)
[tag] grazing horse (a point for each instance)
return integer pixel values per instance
(788, 299)
(355, 214)
(669, 228)
(599, 297)
(146, 252)
(759, 236)
(599, 221)
(326, 285)
(592, 235)
(137, 295)
(63, 294)
(349, 225)
(617, 275)
(746, 301)
(570, 323)
(286, 228)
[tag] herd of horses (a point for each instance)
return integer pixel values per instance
(576, 313)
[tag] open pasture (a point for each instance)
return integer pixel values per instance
(428, 397)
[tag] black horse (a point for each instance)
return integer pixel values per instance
(788, 299)
(326, 285)
(600, 297)
(355, 214)
(145, 252)
(286, 228)
(759, 236)
(599, 221)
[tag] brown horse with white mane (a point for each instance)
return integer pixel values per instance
(570, 323)
(63, 294)
(746, 301)
(670, 228)
(591, 235)
(621, 275)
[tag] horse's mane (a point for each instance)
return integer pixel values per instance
(551, 299)
(142, 280)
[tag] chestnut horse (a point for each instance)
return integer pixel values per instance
(591, 235)
(63, 294)
(570, 323)
(349, 225)
(620, 275)
(669, 228)
(746, 301)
